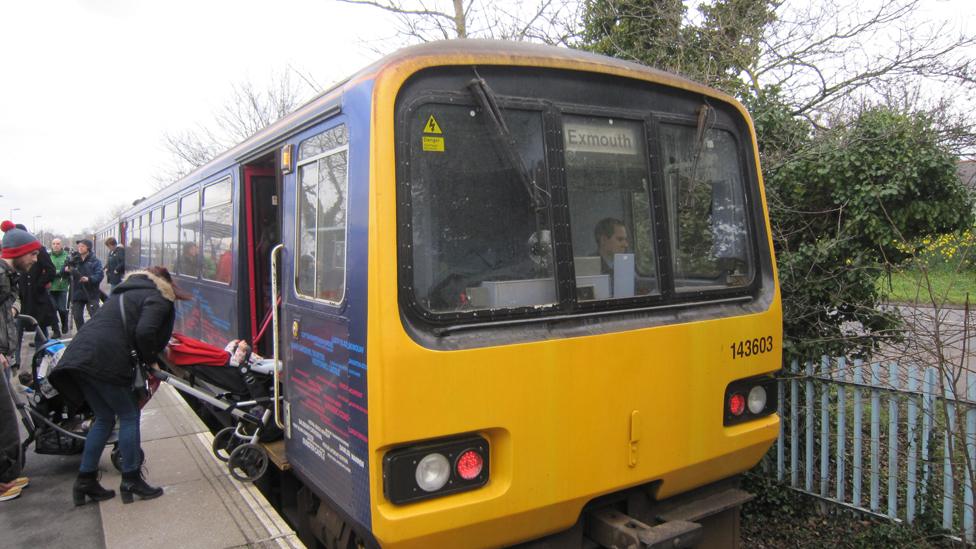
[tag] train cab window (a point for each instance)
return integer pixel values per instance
(322, 192)
(708, 222)
(188, 260)
(480, 207)
(609, 207)
(217, 233)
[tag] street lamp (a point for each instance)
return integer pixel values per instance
(36, 217)
(12, 210)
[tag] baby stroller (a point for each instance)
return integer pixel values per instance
(234, 389)
(52, 426)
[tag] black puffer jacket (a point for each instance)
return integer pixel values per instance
(100, 350)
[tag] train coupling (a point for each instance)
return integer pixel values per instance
(611, 528)
(689, 523)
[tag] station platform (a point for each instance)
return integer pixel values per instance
(202, 507)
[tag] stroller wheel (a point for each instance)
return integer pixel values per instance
(224, 443)
(117, 458)
(248, 462)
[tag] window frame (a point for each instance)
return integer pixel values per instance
(201, 212)
(748, 207)
(298, 191)
(180, 215)
(553, 112)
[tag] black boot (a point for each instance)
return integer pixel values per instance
(87, 485)
(134, 484)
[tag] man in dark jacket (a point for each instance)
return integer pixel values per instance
(34, 297)
(86, 273)
(115, 264)
(18, 255)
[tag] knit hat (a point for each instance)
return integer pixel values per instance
(17, 242)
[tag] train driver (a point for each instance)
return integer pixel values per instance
(611, 238)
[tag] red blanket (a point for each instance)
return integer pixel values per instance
(187, 351)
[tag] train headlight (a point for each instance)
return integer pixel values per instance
(757, 399)
(435, 468)
(433, 471)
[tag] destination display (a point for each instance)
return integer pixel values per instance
(600, 139)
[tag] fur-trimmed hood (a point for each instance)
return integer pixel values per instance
(129, 282)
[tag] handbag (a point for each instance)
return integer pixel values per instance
(140, 381)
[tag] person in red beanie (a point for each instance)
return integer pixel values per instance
(18, 254)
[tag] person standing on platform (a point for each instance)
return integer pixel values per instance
(86, 273)
(19, 253)
(60, 284)
(98, 364)
(115, 264)
(35, 301)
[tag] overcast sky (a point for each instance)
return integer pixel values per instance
(88, 88)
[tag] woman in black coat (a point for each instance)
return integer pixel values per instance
(98, 362)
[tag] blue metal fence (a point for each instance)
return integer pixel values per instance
(902, 447)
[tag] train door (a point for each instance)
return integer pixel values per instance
(262, 222)
(323, 311)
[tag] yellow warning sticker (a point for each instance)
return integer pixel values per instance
(433, 144)
(432, 126)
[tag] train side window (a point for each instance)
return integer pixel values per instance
(480, 227)
(156, 238)
(145, 237)
(708, 220)
(188, 261)
(323, 185)
(217, 232)
(134, 245)
(609, 207)
(171, 236)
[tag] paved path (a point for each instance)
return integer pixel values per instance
(203, 507)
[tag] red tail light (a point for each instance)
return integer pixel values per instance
(737, 404)
(469, 465)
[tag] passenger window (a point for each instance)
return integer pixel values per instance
(156, 238)
(481, 231)
(609, 207)
(217, 233)
(323, 184)
(134, 250)
(217, 194)
(188, 261)
(145, 250)
(706, 209)
(171, 236)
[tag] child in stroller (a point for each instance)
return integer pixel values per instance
(232, 388)
(53, 427)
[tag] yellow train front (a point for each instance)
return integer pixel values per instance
(534, 298)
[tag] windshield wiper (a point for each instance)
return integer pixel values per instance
(504, 140)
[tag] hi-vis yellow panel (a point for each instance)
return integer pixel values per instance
(559, 414)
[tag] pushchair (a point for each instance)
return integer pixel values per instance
(237, 396)
(52, 426)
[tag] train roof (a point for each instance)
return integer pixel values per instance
(458, 52)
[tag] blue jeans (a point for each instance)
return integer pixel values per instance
(109, 401)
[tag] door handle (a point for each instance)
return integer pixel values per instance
(275, 334)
